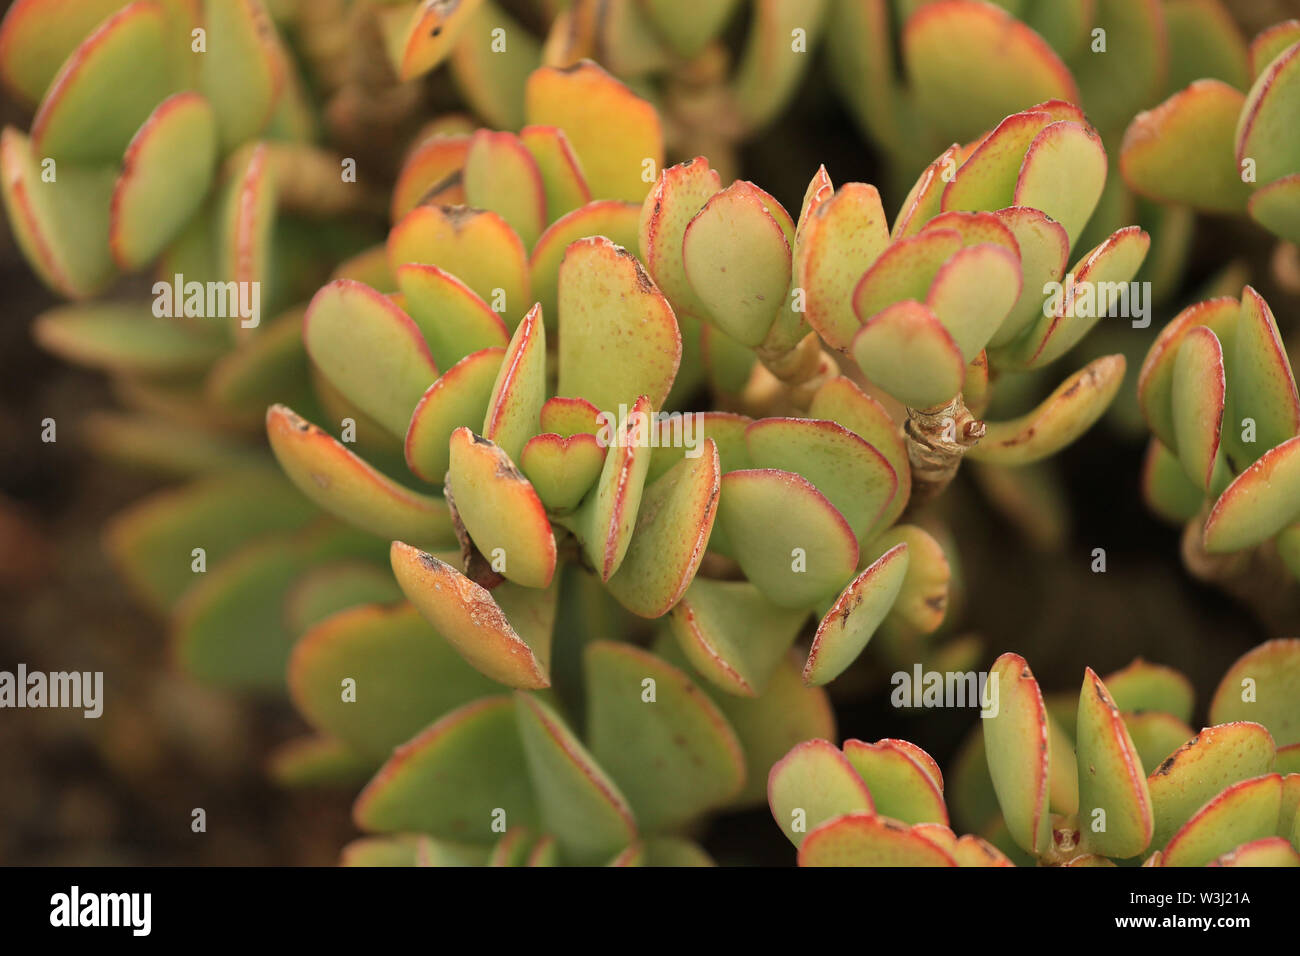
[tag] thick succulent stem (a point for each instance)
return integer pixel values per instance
(1257, 578)
(802, 369)
(937, 439)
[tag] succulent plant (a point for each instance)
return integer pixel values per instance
(215, 189)
(618, 467)
(1228, 145)
(524, 358)
(670, 52)
(1114, 776)
(1220, 398)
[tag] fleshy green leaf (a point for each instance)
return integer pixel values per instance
(972, 64)
(901, 786)
(1263, 386)
(330, 588)
(519, 392)
(370, 350)
(1259, 503)
(812, 784)
(404, 676)
(863, 839)
(853, 618)
(1215, 758)
(500, 510)
(127, 339)
(687, 759)
(168, 168)
(562, 469)
(680, 192)
(1183, 150)
(106, 88)
(1266, 131)
(605, 521)
(1166, 488)
(471, 620)
(1263, 686)
(478, 247)
(1198, 397)
(242, 72)
(61, 227)
(500, 174)
(449, 779)
(616, 221)
(579, 801)
(672, 529)
(853, 475)
(1244, 812)
(562, 179)
(459, 398)
(804, 557)
(346, 486)
(1016, 742)
(1144, 686)
(1111, 778)
(603, 293)
(733, 635)
(737, 259)
(1156, 379)
(615, 133)
(840, 240)
(152, 540)
(906, 351)
(430, 165)
(452, 318)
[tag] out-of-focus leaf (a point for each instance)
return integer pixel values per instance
(450, 779)
(1262, 686)
(688, 759)
(1183, 150)
(403, 674)
(616, 134)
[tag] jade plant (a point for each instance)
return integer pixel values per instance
(1219, 395)
(671, 52)
(1114, 776)
(527, 361)
(213, 196)
(1227, 146)
(600, 469)
(918, 74)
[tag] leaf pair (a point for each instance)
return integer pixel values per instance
(875, 804)
(1219, 395)
(517, 761)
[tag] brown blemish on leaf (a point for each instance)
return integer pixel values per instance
(1172, 759)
